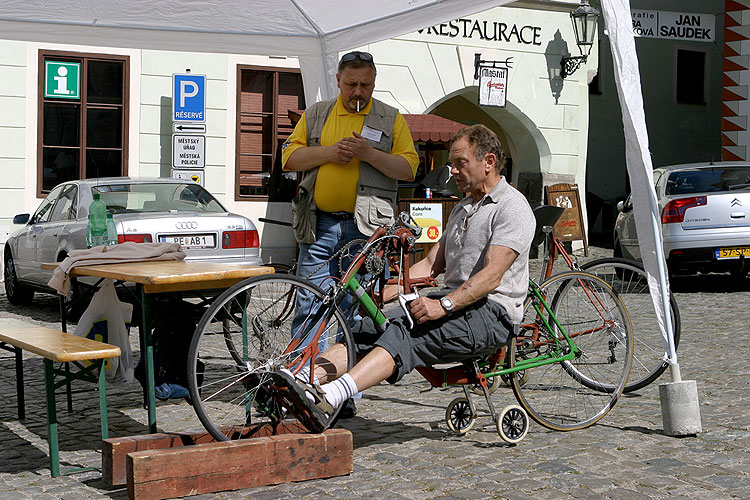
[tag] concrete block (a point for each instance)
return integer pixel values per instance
(680, 412)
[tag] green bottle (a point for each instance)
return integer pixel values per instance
(96, 230)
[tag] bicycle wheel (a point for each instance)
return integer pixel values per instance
(570, 395)
(628, 279)
(244, 335)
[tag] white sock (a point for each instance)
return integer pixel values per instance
(304, 375)
(340, 390)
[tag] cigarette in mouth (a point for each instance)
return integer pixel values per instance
(357, 106)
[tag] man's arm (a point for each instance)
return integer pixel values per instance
(432, 265)
(391, 165)
(497, 260)
(308, 157)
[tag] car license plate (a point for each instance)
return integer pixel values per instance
(190, 240)
(731, 253)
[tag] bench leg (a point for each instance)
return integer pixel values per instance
(54, 452)
(103, 400)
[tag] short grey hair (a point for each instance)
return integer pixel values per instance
(482, 140)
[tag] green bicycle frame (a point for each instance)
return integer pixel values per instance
(545, 359)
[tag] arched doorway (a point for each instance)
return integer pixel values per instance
(527, 150)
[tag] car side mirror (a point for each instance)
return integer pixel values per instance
(21, 218)
(620, 206)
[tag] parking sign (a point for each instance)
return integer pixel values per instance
(188, 98)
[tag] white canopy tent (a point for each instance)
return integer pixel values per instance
(316, 31)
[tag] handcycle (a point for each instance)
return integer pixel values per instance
(629, 279)
(579, 368)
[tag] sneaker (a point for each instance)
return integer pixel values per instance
(349, 410)
(304, 401)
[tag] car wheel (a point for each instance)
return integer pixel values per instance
(17, 294)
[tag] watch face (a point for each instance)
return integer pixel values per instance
(447, 304)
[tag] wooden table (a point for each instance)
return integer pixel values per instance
(161, 277)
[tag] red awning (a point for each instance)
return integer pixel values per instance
(424, 128)
(432, 128)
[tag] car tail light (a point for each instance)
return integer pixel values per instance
(138, 238)
(240, 239)
(675, 209)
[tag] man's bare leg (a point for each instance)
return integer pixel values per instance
(331, 364)
(375, 367)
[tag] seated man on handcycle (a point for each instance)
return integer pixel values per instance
(484, 253)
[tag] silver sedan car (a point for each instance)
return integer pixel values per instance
(705, 215)
(144, 210)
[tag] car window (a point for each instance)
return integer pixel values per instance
(157, 197)
(44, 211)
(65, 207)
(708, 180)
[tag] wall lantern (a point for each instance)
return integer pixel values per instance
(584, 26)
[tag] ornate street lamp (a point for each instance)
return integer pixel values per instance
(584, 26)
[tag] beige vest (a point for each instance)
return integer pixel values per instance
(376, 192)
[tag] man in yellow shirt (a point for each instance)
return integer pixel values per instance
(352, 151)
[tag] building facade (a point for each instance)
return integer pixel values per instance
(118, 120)
(680, 61)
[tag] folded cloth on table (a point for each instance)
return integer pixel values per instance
(124, 252)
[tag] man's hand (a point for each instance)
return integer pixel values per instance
(339, 153)
(356, 146)
(424, 309)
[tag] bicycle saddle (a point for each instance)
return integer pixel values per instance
(546, 215)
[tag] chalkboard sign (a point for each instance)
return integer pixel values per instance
(570, 226)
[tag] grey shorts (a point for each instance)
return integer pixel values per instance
(477, 330)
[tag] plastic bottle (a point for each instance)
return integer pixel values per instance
(96, 230)
(111, 230)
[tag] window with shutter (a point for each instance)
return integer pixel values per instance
(265, 95)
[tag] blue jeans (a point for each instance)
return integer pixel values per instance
(331, 235)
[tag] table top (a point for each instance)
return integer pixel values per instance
(53, 344)
(171, 275)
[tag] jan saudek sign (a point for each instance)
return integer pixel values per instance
(674, 25)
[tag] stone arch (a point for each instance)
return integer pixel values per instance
(521, 138)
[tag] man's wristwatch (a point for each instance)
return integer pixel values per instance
(447, 304)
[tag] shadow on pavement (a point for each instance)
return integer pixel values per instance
(709, 283)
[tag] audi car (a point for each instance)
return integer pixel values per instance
(143, 209)
(705, 216)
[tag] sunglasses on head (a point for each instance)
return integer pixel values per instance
(364, 56)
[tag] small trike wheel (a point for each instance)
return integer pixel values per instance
(459, 416)
(512, 424)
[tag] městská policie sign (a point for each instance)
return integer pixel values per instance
(674, 25)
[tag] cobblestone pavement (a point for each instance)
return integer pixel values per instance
(403, 448)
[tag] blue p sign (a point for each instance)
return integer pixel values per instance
(188, 98)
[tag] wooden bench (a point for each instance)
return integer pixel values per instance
(57, 347)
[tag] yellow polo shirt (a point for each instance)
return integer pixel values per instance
(336, 185)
